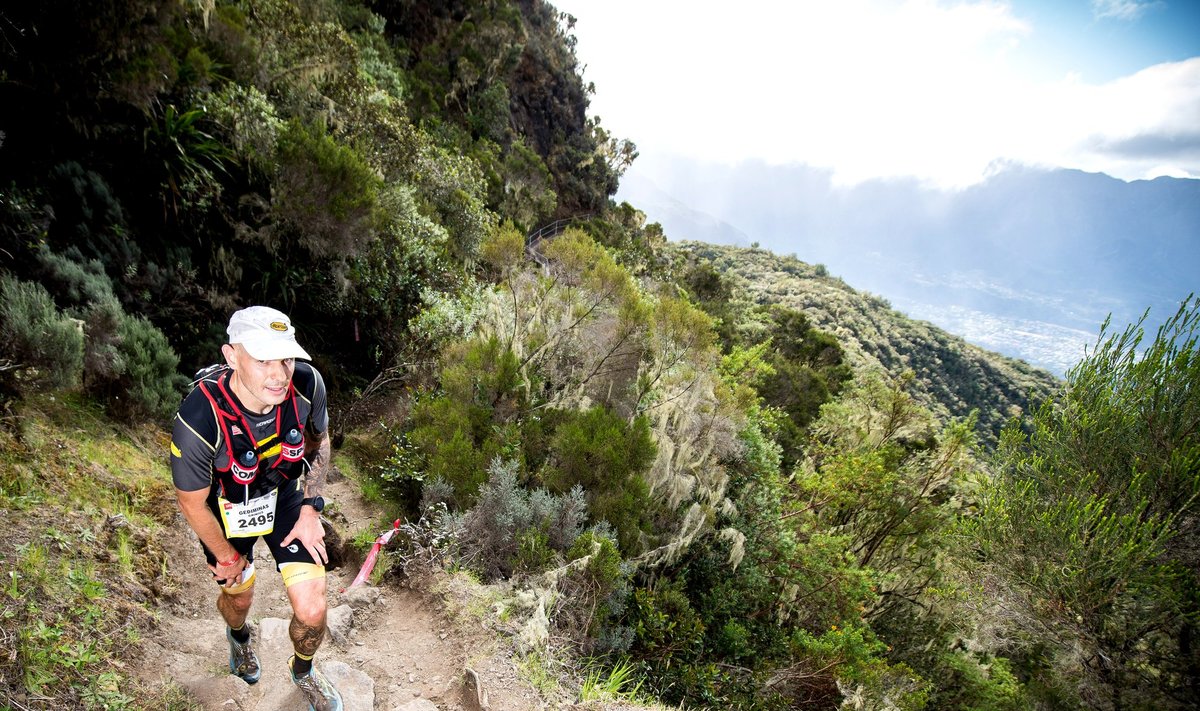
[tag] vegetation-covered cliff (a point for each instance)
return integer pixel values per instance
(718, 470)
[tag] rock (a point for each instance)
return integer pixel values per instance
(417, 705)
(357, 689)
(273, 633)
(339, 621)
(475, 697)
(362, 596)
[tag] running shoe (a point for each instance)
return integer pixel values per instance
(243, 662)
(318, 692)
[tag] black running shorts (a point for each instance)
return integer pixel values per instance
(287, 512)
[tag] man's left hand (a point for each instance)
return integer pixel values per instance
(311, 534)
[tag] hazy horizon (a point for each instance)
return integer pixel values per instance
(1028, 264)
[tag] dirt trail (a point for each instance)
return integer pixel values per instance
(390, 648)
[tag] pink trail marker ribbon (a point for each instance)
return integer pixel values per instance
(369, 564)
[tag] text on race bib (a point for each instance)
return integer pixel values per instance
(256, 517)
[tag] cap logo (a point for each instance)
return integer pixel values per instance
(279, 325)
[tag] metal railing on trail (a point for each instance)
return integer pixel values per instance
(546, 232)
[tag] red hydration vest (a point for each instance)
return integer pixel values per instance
(240, 462)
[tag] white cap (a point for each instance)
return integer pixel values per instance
(265, 333)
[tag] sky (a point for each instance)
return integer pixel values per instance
(943, 92)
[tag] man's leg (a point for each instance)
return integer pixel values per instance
(307, 628)
(234, 605)
(306, 590)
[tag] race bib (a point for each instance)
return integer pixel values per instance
(256, 517)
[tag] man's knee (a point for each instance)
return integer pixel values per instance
(310, 612)
(306, 589)
(237, 600)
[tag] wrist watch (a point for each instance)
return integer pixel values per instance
(317, 502)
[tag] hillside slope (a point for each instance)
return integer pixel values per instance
(953, 377)
(106, 603)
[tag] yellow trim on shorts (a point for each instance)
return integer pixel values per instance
(296, 572)
(242, 586)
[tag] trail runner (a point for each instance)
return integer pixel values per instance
(249, 457)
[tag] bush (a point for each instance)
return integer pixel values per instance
(39, 346)
(511, 529)
(966, 682)
(464, 427)
(600, 452)
(71, 279)
(453, 437)
(327, 192)
(135, 371)
(250, 122)
(593, 597)
(1087, 530)
(669, 644)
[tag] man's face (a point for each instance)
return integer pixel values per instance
(259, 384)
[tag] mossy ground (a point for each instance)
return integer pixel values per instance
(82, 500)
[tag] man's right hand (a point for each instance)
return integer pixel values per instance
(229, 575)
(194, 506)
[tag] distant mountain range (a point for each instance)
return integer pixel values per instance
(1028, 263)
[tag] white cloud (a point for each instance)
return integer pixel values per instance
(1140, 126)
(1128, 10)
(867, 88)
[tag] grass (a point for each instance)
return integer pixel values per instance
(82, 501)
(535, 669)
(612, 684)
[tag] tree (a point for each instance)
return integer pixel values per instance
(1087, 536)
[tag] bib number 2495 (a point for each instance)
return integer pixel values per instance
(255, 517)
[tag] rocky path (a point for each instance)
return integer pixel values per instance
(389, 648)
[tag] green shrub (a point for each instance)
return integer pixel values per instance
(401, 463)
(39, 346)
(454, 459)
(669, 644)
(594, 597)
(846, 660)
(463, 428)
(511, 529)
(973, 684)
(73, 280)
(90, 220)
(453, 187)
(186, 157)
(327, 192)
(1087, 529)
(388, 279)
(250, 122)
(136, 373)
(600, 452)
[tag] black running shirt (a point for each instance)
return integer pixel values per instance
(196, 437)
